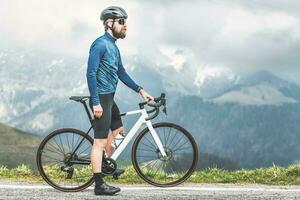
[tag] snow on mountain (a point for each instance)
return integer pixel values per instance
(36, 85)
(210, 73)
(262, 94)
(42, 121)
(259, 88)
(35, 88)
(213, 81)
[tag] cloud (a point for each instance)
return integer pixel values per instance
(237, 35)
(61, 26)
(185, 35)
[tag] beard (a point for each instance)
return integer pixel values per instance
(118, 35)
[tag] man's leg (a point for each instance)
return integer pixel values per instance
(96, 159)
(101, 128)
(110, 139)
(96, 154)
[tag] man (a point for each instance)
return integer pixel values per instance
(104, 69)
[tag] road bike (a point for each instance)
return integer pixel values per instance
(163, 154)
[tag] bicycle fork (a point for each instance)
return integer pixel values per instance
(156, 138)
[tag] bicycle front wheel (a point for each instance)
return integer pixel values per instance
(61, 165)
(172, 169)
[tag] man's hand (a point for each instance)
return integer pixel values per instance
(98, 111)
(147, 97)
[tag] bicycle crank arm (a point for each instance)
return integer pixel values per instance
(80, 162)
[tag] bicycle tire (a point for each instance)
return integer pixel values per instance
(139, 168)
(46, 141)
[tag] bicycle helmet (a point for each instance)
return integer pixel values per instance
(113, 12)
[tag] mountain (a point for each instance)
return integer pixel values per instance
(255, 123)
(17, 147)
(35, 87)
(260, 88)
(212, 82)
(251, 119)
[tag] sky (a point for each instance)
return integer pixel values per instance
(242, 36)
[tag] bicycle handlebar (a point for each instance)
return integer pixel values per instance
(156, 104)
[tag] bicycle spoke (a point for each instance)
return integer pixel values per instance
(173, 137)
(68, 143)
(158, 168)
(181, 149)
(53, 158)
(62, 146)
(148, 146)
(149, 164)
(150, 143)
(180, 145)
(171, 164)
(146, 156)
(72, 141)
(153, 165)
(58, 146)
(145, 150)
(164, 137)
(168, 137)
(52, 151)
(83, 151)
(177, 142)
(176, 166)
(77, 142)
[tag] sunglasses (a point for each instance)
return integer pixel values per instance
(121, 21)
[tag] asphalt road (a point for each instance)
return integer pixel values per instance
(15, 190)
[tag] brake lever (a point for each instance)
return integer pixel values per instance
(165, 110)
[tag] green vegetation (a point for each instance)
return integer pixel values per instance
(18, 163)
(272, 176)
(17, 147)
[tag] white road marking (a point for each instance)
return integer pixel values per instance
(200, 188)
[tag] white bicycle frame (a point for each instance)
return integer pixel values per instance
(134, 130)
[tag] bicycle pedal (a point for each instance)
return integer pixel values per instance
(115, 177)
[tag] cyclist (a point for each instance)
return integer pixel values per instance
(104, 69)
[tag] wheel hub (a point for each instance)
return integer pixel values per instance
(169, 154)
(68, 156)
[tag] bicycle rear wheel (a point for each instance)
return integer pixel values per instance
(171, 170)
(58, 167)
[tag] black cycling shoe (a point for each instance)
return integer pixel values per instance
(105, 189)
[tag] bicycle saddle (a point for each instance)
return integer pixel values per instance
(79, 98)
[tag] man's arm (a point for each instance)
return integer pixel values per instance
(96, 53)
(125, 78)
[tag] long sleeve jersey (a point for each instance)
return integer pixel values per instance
(105, 68)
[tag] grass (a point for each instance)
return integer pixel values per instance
(274, 175)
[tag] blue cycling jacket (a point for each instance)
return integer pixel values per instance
(105, 68)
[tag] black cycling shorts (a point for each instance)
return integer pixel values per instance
(110, 118)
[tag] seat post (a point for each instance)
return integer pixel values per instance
(87, 111)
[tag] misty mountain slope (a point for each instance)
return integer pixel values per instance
(260, 88)
(250, 119)
(250, 135)
(36, 85)
(17, 147)
(261, 94)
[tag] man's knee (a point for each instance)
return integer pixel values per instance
(100, 143)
